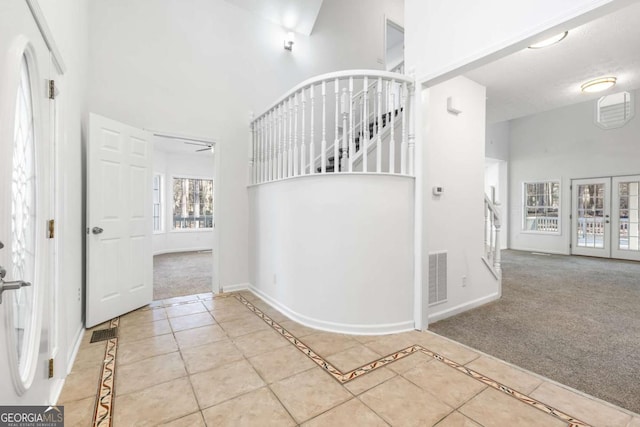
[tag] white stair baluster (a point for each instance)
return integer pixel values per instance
(290, 151)
(365, 127)
(379, 128)
(280, 139)
(403, 144)
(323, 143)
(303, 159)
(272, 154)
(295, 137)
(392, 124)
(312, 166)
(285, 145)
(345, 134)
(412, 133)
(352, 148)
(336, 142)
(252, 150)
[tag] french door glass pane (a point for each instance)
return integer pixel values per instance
(628, 234)
(591, 216)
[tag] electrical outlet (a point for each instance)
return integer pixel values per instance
(464, 281)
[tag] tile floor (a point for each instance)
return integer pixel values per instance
(235, 361)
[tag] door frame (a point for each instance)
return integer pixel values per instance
(616, 252)
(605, 251)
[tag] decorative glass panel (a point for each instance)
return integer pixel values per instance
(591, 218)
(629, 232)
(23, 211)
(157, 203)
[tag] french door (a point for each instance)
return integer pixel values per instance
(605, 219)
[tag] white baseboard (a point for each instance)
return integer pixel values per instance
(236, 287)
(57, 388)
(341, 328)
(175, 251)
(542, 251)
(434, 317)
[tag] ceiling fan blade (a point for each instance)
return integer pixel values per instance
(202, 144)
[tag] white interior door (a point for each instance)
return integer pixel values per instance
(591, 217)
(25, 207)
(625, 224)
(119, 219)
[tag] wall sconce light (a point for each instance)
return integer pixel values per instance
(289, 40)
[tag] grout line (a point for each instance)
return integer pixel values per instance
(371, 366)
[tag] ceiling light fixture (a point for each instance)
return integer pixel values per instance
(550, 41)
(598, 85)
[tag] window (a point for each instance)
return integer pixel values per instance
(157, 202)
(192, 203)
(542, 206)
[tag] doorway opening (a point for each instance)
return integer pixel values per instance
(393, 47)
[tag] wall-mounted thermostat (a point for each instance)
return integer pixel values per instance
(437, 191)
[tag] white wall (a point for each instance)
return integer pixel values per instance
(335, 251)
(453, 158)
(171, 165)
(565, 144)
(446, 35)
(497, 141)
(199, 67)
(67, 20)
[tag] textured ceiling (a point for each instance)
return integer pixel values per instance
(536, 80)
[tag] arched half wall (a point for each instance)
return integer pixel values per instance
(335, 251)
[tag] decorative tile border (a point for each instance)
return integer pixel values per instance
(103, 410)
(379, 363)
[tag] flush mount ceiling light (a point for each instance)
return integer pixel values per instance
(289, 40)
(550, 41)
(598, 85)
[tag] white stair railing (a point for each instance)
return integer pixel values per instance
(357, 111)
(492, 236)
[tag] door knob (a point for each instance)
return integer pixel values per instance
(96, 230)
(8, 286)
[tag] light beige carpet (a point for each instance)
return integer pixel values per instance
(182, 273)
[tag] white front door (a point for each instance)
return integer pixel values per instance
(605, 219)
(119, 219)
(25, 207)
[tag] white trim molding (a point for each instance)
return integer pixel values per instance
(434, 317)
(47, 35)
(236, 287)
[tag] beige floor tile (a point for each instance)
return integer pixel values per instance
(250, 296)
(199, 336)
(134, 351)
(274, 314)
(178, 300)
(444, 383)
(351, 413)
(456, 419)
(80, 384)
(326, 343)
(369, 380)
(185, 309)
(229, 314)
(505, 374)
(209, 356)
(90, 356)
(257, 408)
(493, 408)
(309, 393)
(142, 316)
(449, 349)
(298, 330)
(244, 326)
(260, 342)
(205, 296)
(220, 303)
(635, 422)
(148, 372)
(192, 420)
(399, 402)
(363, 339)
(191, 321)
(580, 407)
(281, 363)
(352, 358)
(153, 304)
(225, 382)
(143, 330)
(409, 362)
(156, 405)
(79, 413)
(387, 344)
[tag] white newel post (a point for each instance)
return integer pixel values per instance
(323, 143)
(412, 132)
(391, 96)
(403, 143)
(336, 140)
(497, 258)
(364, 130)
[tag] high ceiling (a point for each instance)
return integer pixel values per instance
(180, 146)
(536, 80)
(295, 15)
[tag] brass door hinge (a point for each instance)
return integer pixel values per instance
(52, 228)
(52, 89)
(50, 368)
